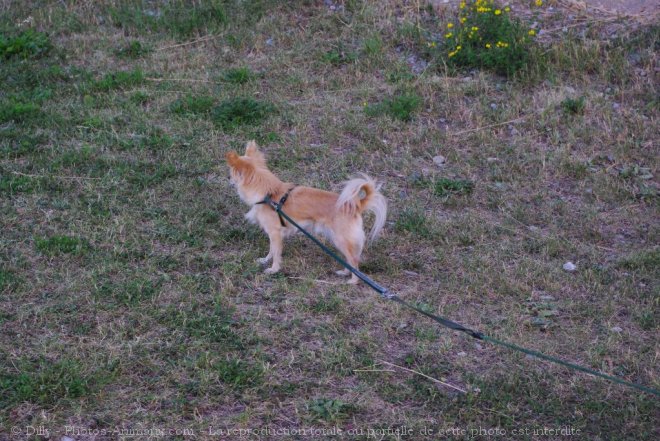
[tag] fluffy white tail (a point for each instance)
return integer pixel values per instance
(360, 195)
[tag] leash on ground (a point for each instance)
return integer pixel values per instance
(386, 294)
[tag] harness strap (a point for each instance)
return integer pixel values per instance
(277, 205)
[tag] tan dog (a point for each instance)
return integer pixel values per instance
(338, 217)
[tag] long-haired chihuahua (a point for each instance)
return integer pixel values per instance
(338, 217)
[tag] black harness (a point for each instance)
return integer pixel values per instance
(268, 200)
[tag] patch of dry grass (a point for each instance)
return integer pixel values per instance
(164, 319)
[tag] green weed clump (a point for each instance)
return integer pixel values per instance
(446, 186)
(239, 75)
(573, 106)
(45, 384)
(179, 18)
(7, 279)
(130, 293)
(486, 37)
(235, 112)
(191, 104)
(16, 184)
(120, 80)
(401, 107)
(239, 374)
(27, 44)
(134, 49)
(413, 220)
(328, 409)
(339, 56)
(61, 245)
(18, 111)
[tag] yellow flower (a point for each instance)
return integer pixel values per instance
(462, 5)
(487, 45)
(538, 2)
(430, 43)
(450, 25)
(497, 12)
(458, 48)
(532, 32)
(463, 19)
(507, 9)
(474, 28)
(449, 35)
(451, 54)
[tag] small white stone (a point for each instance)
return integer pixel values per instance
(462, 354)
(617, 329)
(569, 266)
(492, 159)
(439, 160)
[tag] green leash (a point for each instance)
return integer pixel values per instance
(386, 294)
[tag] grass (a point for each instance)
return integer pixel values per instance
(573, 106)
(130, 295)
(238, 75)
(26, 44)
(236, 112)
(238, 374)
(329, 409)
(48, 383)
(190, 104)
(132, 49)
(401, 107)
(119, 80)
(181, 18)
(18, 112)
(413, 220)
(60, 244)
(16, 184)
(445, 186)
(339, 56)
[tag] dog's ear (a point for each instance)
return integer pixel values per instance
(252, 151)
(238, 164)
(232, 158)
(251, 148)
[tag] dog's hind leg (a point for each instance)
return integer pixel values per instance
(351, 251)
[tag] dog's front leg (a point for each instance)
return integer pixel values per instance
(275, 252)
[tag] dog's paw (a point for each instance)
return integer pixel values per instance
(343, 272)
(271, 270)
(263, 260)
(352, 281)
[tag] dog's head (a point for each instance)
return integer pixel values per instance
(244, 169)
